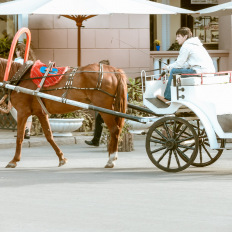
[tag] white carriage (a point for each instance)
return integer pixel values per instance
(194, 125)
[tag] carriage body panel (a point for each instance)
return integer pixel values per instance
(212, 98)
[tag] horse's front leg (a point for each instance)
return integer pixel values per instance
(48, 134)
(21, 123)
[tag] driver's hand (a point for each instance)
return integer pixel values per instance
(165, 67)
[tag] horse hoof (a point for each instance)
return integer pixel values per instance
(11, 165)
(111, 165)
(63, 162)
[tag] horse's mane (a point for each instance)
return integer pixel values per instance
(14, 67)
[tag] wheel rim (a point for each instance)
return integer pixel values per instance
(168, 144)
(206, 156)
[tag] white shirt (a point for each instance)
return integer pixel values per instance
(19, 60)
(193, 55)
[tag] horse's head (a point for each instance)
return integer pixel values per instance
(14, 68)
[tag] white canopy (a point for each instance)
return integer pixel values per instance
(87, 7)
(218, 10)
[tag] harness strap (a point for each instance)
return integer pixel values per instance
(21, 72)
(69, 82)
(43, 106)
(41, 85)
(44, 90)
(100, 77)
(50, 65)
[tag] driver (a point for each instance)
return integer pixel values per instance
(193, 58)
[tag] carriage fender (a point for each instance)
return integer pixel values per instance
(205, 121)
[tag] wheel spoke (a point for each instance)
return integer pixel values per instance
(185, 139)
(157, 141)
(166, 129)
(187, 147)
(181, 132)
(200, 152)
(182, 155)
(158, 149)
(186, 133)
(207, 152)
(206, 143)
(154, 137)
(179, 126)
(161, 157)
(174, 129)
(169, 158)
(203, 133)
(160, 134)
(198, 127)
(177, 159)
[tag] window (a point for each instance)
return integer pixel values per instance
(206, 28)
(8, 24)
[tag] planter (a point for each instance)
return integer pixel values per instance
(157, 47)
(126, 145)
(138, 127)
(65, 126)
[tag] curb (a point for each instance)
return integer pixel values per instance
(37, 141)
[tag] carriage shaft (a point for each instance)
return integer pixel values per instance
(76, 103)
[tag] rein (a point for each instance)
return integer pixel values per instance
(65, 74)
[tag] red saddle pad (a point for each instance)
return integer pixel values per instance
(54, 76)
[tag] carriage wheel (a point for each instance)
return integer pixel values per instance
(172, 144)
(206, 156)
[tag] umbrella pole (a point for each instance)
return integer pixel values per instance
(79, 20)
(79, 45)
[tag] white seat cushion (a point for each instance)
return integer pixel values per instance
(206, 80)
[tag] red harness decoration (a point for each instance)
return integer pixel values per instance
(54, 76)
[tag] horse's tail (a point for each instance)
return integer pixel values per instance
(120, 104)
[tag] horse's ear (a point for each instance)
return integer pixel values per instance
(107, 62)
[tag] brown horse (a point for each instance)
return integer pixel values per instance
(114, 82)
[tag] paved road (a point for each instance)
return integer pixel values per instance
(134, 196)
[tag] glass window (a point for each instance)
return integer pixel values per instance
(8, 24)
(206, 28)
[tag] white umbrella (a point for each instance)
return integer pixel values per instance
(218, 10)
(87, 7)
(80, 10)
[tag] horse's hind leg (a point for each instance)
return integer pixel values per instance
(114, 137)
(21, 123)
(48, 134)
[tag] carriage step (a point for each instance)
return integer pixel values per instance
(185, 114)
(227, 147)
(157, 102)
(161, 98)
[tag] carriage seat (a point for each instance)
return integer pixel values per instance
(206, 80)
